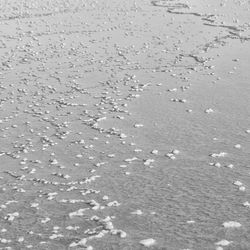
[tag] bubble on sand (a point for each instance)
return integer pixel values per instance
(79, 212)
(172, 90)
(45, 220)
(176, 152)
(219, 248)
(223, 243)
(190, 222)
(231, 224)
(154, 152)
(131, 159)
(11, 217)
(242, 188)
(217, 164)
(171, 156)
(148, 162)
(81, 242)
(20, 239)
(137, 212)
(230, 166)
(113, 204)
(238, 183)
(123, 166)
(246, 204)
(221, 154)
(148, 242)
(209, 110)
(105, 197)
(138, 125)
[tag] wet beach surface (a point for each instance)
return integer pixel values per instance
(125, 125)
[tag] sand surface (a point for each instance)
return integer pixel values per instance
(125, 125)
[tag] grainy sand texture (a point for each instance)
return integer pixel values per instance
(125, 125)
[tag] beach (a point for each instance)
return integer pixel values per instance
(124, 125)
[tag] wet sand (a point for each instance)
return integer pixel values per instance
(124, 125)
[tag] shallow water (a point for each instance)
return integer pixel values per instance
(122, 121)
